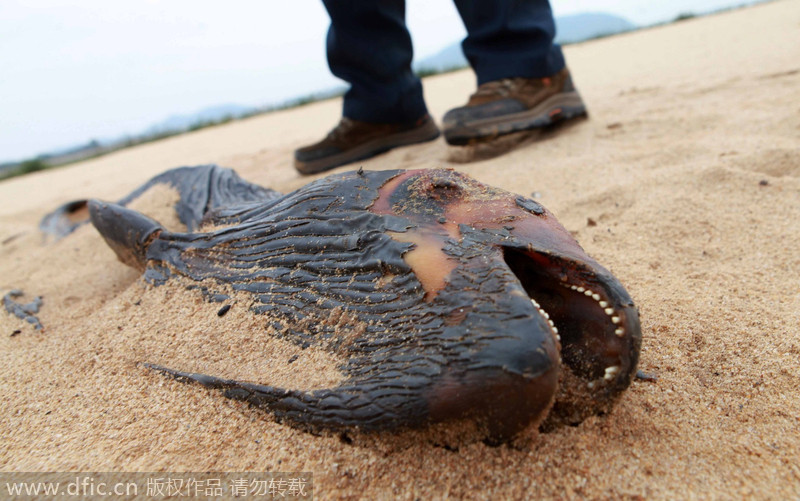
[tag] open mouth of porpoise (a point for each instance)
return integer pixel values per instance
(592, 318)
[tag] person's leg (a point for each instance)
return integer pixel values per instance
(510, 38)
(523, 82)
(370, 48)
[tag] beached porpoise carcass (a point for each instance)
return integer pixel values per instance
(466, 302)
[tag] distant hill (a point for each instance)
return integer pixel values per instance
(569, 29)
(174, 124)
(211, 114)
(580, 27)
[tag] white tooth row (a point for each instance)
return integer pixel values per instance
(610, 374)
(603, 304)
(547, 316)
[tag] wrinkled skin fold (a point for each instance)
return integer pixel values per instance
(464, 301)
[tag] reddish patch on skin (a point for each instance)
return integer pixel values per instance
(427, 259)
(482, 211)
(504, 212)
(464, 201)
(381, 204)
(550, 237)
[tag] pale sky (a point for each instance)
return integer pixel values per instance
(74, 70)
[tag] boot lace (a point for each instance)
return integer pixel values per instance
(509, 86)
(502, 88)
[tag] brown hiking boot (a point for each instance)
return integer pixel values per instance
(352, 140)
(511, 105)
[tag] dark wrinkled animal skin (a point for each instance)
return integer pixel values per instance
(436, 272)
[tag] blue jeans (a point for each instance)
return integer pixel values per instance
(369, 47)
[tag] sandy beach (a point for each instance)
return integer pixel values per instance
(684, 182)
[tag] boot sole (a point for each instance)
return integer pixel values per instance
(369, 149)
(557, 108)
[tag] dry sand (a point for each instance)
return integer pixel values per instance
(689, 170)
